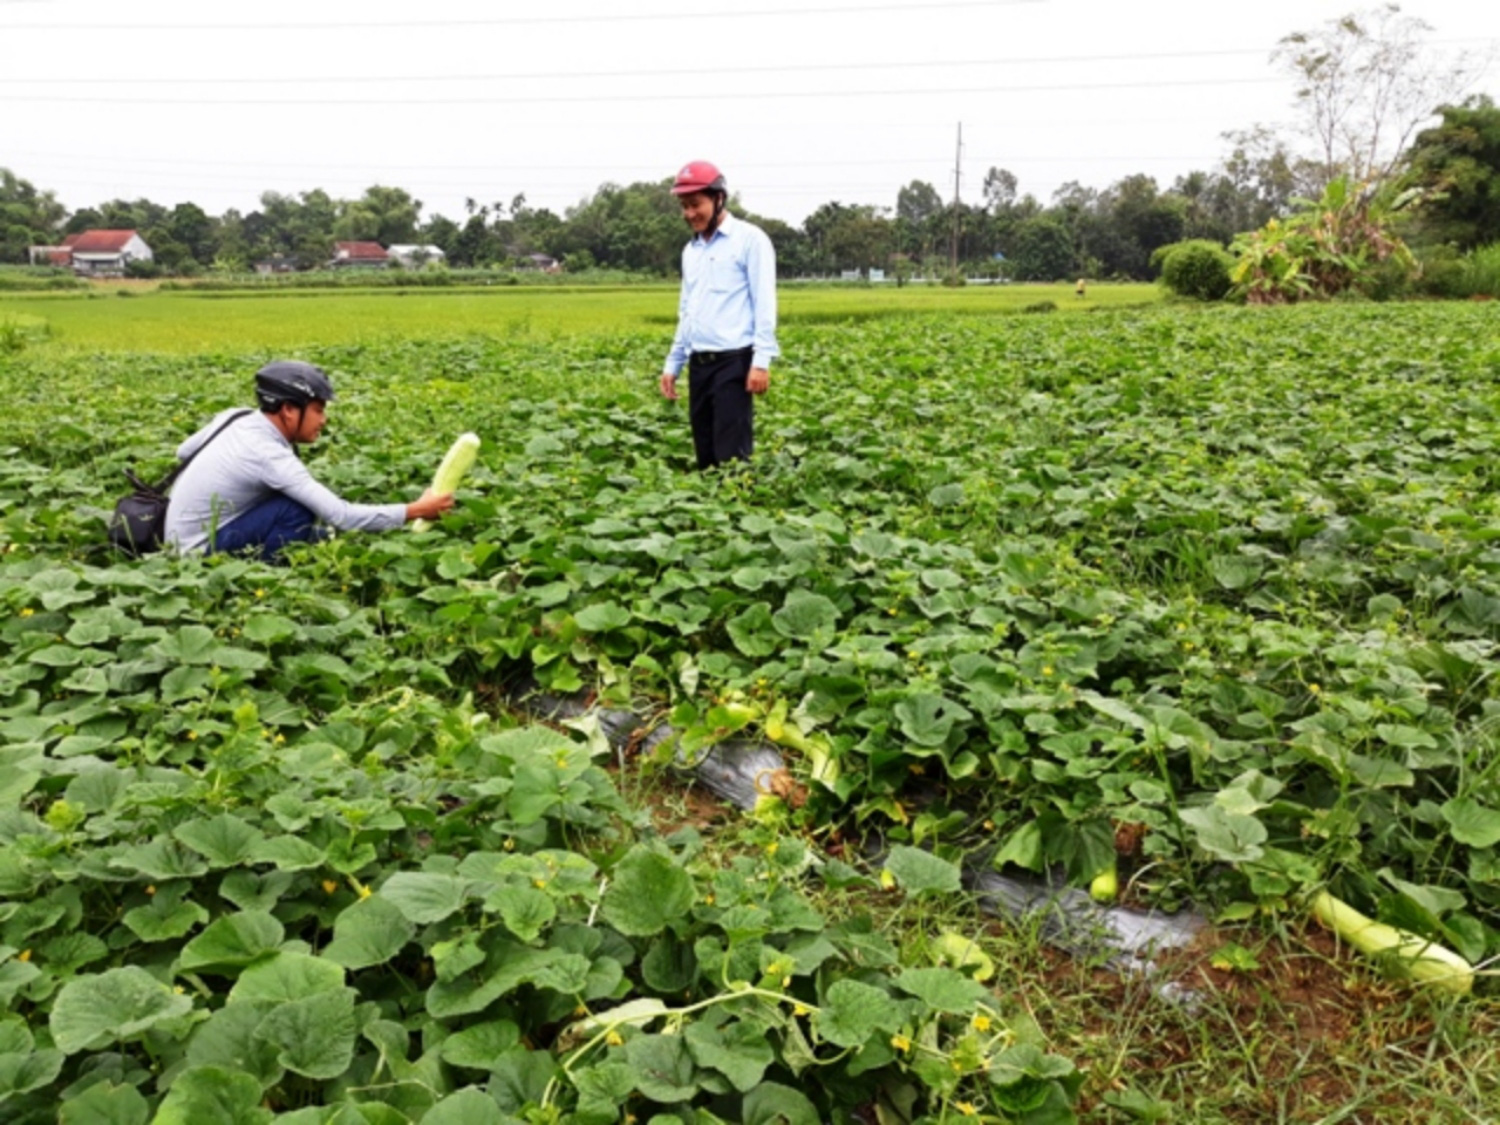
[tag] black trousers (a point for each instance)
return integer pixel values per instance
(721, 409)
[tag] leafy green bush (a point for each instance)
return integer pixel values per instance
(1481, 272)
(1197, 268)
(1330, 247)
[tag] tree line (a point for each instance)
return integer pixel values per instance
(1366, 82)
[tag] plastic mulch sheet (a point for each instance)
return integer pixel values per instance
(741, 770)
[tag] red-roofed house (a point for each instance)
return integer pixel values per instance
(96, 253)
(370, 255)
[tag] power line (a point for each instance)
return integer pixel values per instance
(533, 76)
(676, 96)
(518, 21)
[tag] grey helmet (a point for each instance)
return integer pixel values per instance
(291, 380)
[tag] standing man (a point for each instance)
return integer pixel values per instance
(726, 319)
(247, 490)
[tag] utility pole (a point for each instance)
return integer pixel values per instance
(958, 162)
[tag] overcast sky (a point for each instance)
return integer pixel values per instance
(799, 101)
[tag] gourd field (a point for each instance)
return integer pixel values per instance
(1199, 608)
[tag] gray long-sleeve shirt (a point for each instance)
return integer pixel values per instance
(246, 464)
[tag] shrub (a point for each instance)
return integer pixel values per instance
(1330, 247)
(1197, 268)
(1481, 272)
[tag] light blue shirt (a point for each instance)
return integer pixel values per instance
(728, 297)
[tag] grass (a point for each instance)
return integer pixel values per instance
(1304, 1034)
(137, 318)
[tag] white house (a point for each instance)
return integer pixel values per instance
(104, 253)
(413, 256)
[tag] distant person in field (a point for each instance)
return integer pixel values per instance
(726, 319)
(250, 492)
(1082, 288)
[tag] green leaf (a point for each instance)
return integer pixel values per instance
(424, 897)
(229, 1039)
(526, 911)
(288, 853)
(225, 841)
(648, 892)
(231, 942)
(163, 919)
(370, 932)
(663, 1067)
(805, 616)
(1235, 572)
(927, 719)
(93, 1011)
(191, 644)
(286, 976)
(210, 1093)
(603, 617)
(1472, 823)
(479, 1046)
(315, 1035)
(920, 872)
(1231, 837)
(253, 892)
(753, 633)
(520, 1076)
(24, 1072)
(852, 1011)
(770, 1103)
(946, 496)
(269, 628)
(944, 990)
(739, 1051)
(603, 1088)
(104, 1103)
(160, 860)
(469, 1106)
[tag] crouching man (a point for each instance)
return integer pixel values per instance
(246, 490)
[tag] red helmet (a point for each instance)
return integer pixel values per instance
(700, 175)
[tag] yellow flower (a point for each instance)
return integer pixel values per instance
(981, 1023)
(966, 1108)
(771, 847)
(24, 955)
(901, 1042)
(280, 738)
(27, 612)
(614, 1038)
(989, 826)
(1046, 669)
(1314, 688)
(329, 886)
(509, 845)
(151, 890)
(192, 736)
(260, 593)
(800, 1009)
(364, 891)
(178, 989)
(539, 883)
(708, 900)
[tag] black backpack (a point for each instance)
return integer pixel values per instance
(139, 524)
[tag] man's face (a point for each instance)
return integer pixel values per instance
(313, 416)
(698, 210)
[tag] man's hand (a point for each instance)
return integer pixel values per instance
(430, 506)
(759, 381)
(669, 386)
